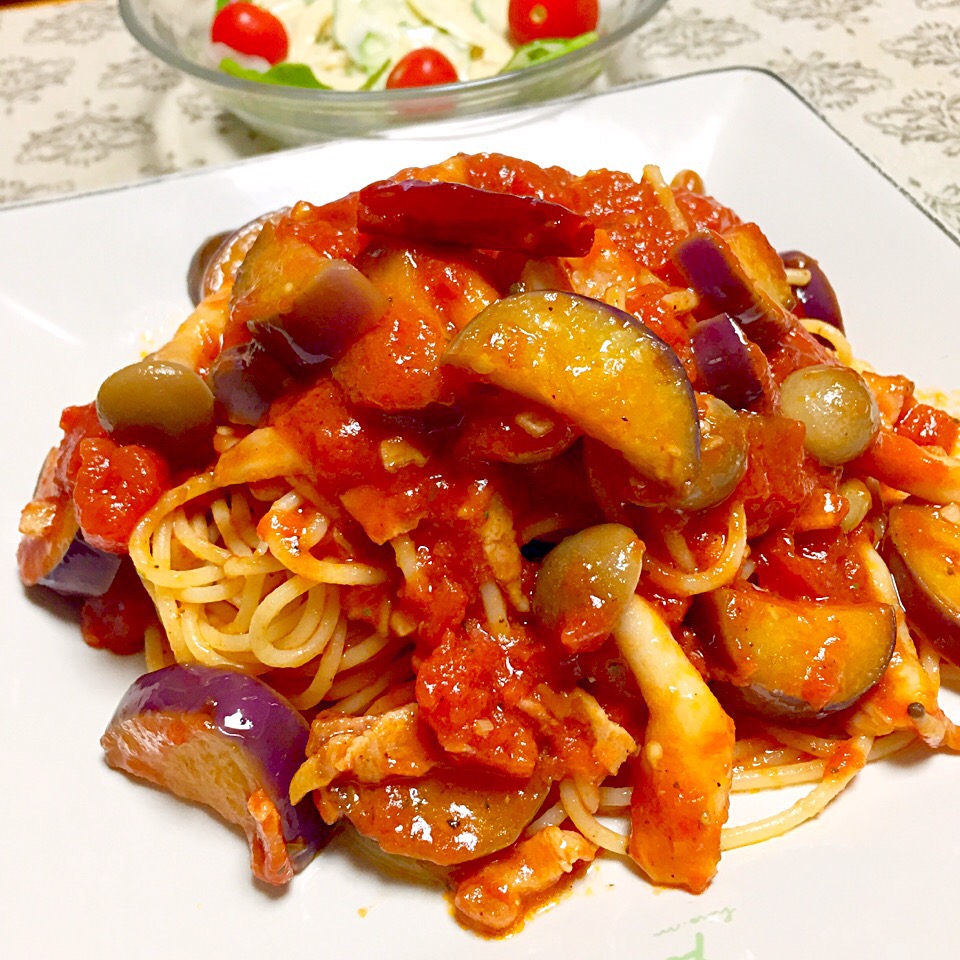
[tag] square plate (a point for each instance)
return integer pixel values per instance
(93, 858)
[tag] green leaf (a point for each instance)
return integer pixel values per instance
(222, 3)
(370, 82)
(281, 75)
(540, 51)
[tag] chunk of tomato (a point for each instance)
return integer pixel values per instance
(250, 29)
(78, 424)
(424, 67)
(542, 19)
(118, 620)
(115, 486)
(929, 426)
(467, 690)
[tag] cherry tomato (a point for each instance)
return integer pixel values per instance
(549, 19)
(421, 68)
(250, 29)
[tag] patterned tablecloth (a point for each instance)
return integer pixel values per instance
(82, 106)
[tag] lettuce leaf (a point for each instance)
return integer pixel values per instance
(540, 51)
(281, 75)
(371, 81)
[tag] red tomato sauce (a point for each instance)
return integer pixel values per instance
(118, 620)
(115, 486)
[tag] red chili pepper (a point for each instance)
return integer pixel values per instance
(458, 214)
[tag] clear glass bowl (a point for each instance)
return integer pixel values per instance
(177, 32)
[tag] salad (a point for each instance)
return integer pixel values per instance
(393, 44)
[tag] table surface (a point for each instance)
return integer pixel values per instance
(83, 107)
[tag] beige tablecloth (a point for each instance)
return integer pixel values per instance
(82, 106)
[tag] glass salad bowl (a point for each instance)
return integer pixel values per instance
(178, 32)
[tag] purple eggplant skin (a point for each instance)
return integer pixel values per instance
(263, 724)
(795, 659)
(922, 549)
(245, 380)
(200, 263)
(334, 306)
(216, 259)
(319, 305)
(53, 553)
(83, 571)
(818, 298)
(595, 364)
(712, 269)
(724, 362)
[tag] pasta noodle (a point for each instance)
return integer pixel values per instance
(226, 597)
(719, 574)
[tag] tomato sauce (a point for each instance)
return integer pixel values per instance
(331, 229)
(78, 424)
(813, 566)
(339, 441)
(780, 475)
(929, 426)
(469, 690)
(115, 486)
(118, 620)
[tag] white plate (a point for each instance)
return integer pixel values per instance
(91, 858)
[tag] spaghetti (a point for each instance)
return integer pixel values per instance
(227, 598)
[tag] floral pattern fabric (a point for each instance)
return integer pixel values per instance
(82, 106)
